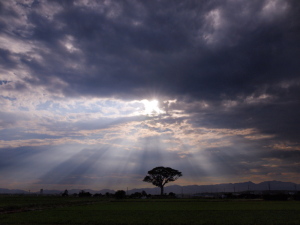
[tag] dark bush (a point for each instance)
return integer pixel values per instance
(297, 196)
(275, 197)
(98, 195)
(172, 195)
(84, 194)
(65, 194)
(136, 195)
(120, 194)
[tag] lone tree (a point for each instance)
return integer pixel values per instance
(160, 176)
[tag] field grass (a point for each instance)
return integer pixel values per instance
(91, 211)
(11, 203)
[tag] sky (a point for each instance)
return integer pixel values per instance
(93, 94)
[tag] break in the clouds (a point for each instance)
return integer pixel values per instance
(93, 94)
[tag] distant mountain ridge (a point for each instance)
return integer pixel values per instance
(226, 187)
(189, 189)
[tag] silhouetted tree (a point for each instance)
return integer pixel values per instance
(160, 176)
(144, 193)
(297, 196)
(120, 194)
(65, 194)
(98, 195)
(136, 195)
(172, 194)
(108, 195)
(84, 194)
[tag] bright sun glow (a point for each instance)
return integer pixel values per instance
(151, 107)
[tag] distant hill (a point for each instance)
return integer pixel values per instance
(12, 191)
(190, 189)
(227, 187)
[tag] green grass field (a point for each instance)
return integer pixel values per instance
(58, 210)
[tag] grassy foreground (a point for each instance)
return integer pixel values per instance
(91, 211)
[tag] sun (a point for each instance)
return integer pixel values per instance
(151, 107)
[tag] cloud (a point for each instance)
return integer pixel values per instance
(205, 50)
(224, 74)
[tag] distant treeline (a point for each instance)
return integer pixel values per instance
(121, 194)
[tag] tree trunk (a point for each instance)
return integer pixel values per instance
(162, 190)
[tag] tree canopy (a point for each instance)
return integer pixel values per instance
(120, 194)
(160, 176)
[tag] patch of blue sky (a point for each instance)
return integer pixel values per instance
(23, 134)
(44, 106)
(96, 109)
(2, 82)
(59, 108)
(106, 107)
(22, 108)
(8, 98)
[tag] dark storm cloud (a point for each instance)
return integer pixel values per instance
(273, 119)
(6, 59)
(204, 49)
(259, 56)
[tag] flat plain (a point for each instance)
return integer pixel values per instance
(70, 210)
